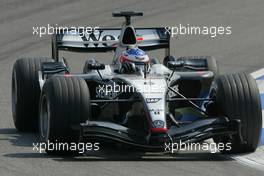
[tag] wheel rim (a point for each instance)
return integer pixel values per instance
(14, 94)
(44, 118)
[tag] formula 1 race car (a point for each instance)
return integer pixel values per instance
(137, 100)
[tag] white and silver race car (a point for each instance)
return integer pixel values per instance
(137, 100)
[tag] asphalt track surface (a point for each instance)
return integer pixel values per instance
(241, 51)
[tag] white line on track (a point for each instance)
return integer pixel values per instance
(258, 73)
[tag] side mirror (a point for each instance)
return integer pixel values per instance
(96, 66)
(175, 64)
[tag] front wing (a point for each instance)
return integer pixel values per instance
(197, 131)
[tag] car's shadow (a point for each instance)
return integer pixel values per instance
(18, 138)
(139, 156)
(109, 153)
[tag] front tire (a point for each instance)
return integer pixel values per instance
(237, 97)
(64, 102)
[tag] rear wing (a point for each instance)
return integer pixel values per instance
(106, 39)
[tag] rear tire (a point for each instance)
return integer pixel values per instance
(237, 97)
(64, 102)
(26, 92)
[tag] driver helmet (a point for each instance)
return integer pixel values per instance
(134, 60)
